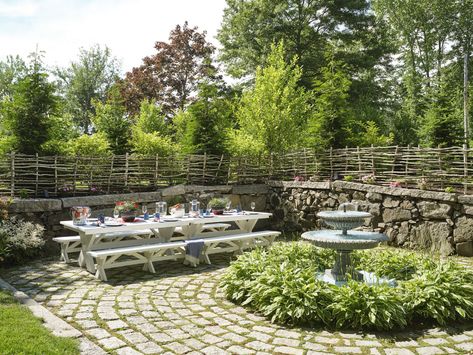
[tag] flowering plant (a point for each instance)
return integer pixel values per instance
(422, 184)
(298, 178)
(395, 184)
(127, 206)
(368, 179)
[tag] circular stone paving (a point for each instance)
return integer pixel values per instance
(180, 310)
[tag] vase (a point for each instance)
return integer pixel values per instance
(217, 212)
(128, 216)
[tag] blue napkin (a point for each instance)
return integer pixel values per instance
(193, 252)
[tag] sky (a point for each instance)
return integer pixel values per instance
(128, 27)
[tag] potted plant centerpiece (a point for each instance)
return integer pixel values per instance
(218, 205)
(127, 210)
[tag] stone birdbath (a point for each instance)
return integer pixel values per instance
(343, 240)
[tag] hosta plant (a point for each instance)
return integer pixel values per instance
(281, 284)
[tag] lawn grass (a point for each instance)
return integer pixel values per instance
(23, 333)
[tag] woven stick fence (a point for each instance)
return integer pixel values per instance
(51, 176)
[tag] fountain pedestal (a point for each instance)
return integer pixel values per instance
(344, 242)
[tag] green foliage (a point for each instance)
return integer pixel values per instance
(218, 203)
(149, 134)
(22, 333)
(281, 284)
(114, 123)
(203, 127)
(370, 135)
(93, 145)
(271, 115)
(19, 240)
(27, 115)
(329, 124)
(12, 70)
(441, 293)
(86, 80)
(358, 305)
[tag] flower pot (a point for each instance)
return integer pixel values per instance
(128, 216)
(217, 212)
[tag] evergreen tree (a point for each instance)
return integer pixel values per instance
(203, 127)
(27, 116)
(329, 124)
(112, 120)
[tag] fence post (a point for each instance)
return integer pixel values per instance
(331, 163)
(407, 160)
(55, 175)
(12, 168)
(465, 169)
(109, 182)
(156, 167)
(203, 168)
(75, 176)
(373, 167)
(36, 180)
(394, 163)
(126, 169)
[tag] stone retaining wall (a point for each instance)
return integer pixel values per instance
(427, 220)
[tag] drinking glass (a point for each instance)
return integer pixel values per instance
(228, 206)
(116, 213)
(253, 206)
(144, 209)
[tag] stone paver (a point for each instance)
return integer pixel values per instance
(182, 310)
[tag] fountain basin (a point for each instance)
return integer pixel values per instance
(335, 239)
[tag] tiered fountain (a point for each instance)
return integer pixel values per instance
(344, 241)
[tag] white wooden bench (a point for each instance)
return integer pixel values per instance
(71, 244)
(137, 254)
(236, 242)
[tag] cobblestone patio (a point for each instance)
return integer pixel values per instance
(181, 310)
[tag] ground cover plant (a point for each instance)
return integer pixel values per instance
(22, 333)
(281, 284)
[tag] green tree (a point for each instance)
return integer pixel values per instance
(330, 123)
(95, 145)
(27, 116)
(270, 116)
(12, 69)
(203, 127)
(112, 120)
(249, 27)
(150, 134)
(87, 80)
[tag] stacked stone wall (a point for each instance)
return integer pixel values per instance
(417, 219)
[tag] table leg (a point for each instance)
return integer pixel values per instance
(86, 245)
(191, 230)
(246, 225)
(164, 234)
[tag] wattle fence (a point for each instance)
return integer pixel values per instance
(49, 176)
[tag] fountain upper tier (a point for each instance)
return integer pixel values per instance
(344, 220)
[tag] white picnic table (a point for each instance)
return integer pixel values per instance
(163, 230)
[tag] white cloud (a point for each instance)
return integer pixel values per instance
(128, 27)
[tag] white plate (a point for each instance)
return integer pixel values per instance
(169, 220)
(114, 224)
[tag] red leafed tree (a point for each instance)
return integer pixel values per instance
(171, 76)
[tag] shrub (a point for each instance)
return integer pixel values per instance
(281, 283)
(19, 240)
